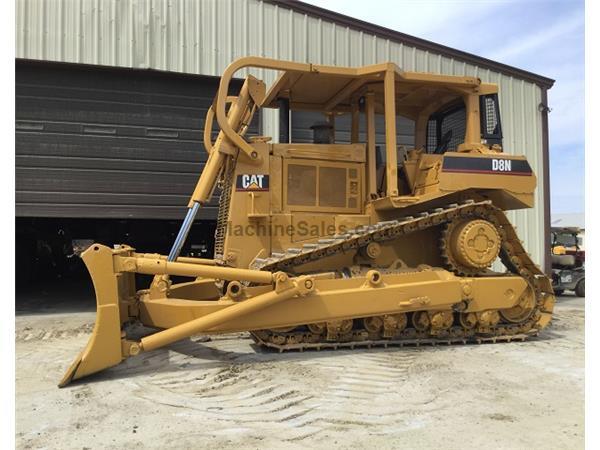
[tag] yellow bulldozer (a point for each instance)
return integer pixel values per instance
(339, 245)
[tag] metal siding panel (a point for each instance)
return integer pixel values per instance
(102, 22)
(430, 63)
(446, 65)
(470, 70)
(314, 40)
(284, 40)
(396, 53)
(88, 53)
(340, 47)
(20, 32)
(222, 35)
(268, 47)
(327, 31)
(29, 22)
(406, 58)
(254, 47)
(237, 29)
(420, 61)
(460, 68)
(297, 37)
(381, 50)
(368, 49)
(354, 42)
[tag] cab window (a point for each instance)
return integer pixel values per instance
(491, 129)
(446, 129)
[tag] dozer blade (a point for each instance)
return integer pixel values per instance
(104, 347)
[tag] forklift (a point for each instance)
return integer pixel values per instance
(568, 261)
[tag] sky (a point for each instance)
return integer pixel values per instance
(545, 37)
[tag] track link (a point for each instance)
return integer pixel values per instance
(395, 342)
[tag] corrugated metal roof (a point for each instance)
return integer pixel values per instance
(203, 37)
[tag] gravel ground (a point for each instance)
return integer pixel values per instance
(226, 393)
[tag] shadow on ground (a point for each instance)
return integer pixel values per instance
(55, 297)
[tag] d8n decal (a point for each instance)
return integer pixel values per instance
(252, 182)
(501, 165)
(497, 166)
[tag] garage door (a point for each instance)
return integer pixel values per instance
(111, 143)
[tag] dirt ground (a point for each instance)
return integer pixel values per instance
(226, 393)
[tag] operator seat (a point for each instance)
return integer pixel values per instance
(403, 186)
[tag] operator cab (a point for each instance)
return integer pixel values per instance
(445, 132)
(404, 120)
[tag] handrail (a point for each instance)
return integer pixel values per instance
(250, 61)
(208, 124)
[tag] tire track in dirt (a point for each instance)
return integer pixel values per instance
(362, 391)
(225, 382)
(228, 382)
(28, 334)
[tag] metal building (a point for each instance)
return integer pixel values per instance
(111, 97)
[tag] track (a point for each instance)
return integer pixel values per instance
(512, 254)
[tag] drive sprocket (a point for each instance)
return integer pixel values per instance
(470, 245)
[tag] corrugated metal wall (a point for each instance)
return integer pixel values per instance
(202, 37)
